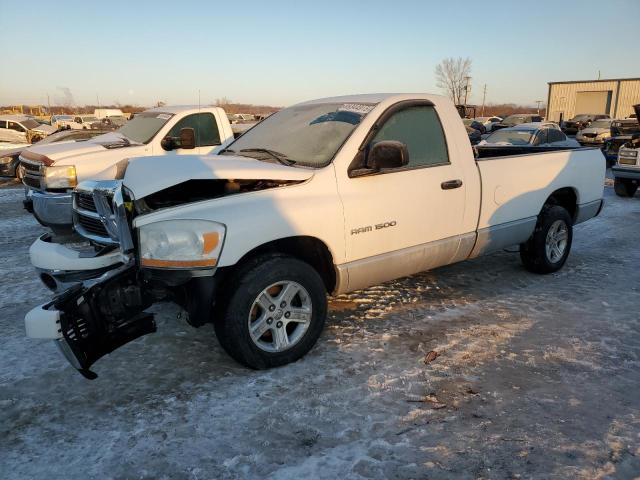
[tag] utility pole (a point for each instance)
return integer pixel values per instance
(538, 102)
(484, 96)
(98, 100)
(48, 104)
(466, 89)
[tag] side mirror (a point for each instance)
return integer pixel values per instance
(167, 143)
(187, 138)
(635, 140)
(387, 154)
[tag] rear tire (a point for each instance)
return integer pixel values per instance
(547, 249)
(624, 187)
(274, 313)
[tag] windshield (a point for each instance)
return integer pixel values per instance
(305, 134)
(512, 137)
(89, 119)
(514, 120)
(601, 124)
(467, 121)
(144, 126)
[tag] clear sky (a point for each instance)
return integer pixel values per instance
(281, 52)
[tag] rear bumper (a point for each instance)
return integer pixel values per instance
(53, 209)
(624, 172)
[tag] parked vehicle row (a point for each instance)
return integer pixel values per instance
(22, 129)
(253, 238)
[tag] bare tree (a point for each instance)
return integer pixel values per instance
(451, 76)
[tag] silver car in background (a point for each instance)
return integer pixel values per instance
(596, 133)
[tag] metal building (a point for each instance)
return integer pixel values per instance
(614, 96)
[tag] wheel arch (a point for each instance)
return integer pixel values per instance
(309, 249)
(566, 197)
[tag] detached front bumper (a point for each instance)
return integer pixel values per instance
(90, 320)
(59, 264)
(53, 209)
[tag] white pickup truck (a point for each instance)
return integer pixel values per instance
(328, 196)
(50, 172)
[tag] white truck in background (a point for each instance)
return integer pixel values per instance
(101, 113)
(332, 195)
(50, 172)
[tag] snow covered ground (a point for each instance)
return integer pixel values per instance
(536, 377)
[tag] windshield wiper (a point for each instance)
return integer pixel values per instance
(226, 150)
(279, 157)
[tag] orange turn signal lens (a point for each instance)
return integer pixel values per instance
(155, 263)
(209, 242)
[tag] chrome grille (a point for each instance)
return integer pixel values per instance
(85, 201)
(93, 216)
(94, 226)
(31, 173)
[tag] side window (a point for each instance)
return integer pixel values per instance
(542, 137)
(536, 118)
(3, 124)
(16, 126)
(205, 126)
(419, 128)
(77, 120)
(556, 136)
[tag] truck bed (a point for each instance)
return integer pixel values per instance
(515, 186)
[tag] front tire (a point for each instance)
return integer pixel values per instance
(547, 249)
(275, 312)
(624, 187)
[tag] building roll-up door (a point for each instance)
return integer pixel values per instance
(593, 102)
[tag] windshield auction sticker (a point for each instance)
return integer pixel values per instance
(360, 108)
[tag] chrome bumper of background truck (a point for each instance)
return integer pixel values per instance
(52, 209)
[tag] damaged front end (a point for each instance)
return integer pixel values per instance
(95, 317)
(96, 320)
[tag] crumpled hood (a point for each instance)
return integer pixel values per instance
(64, 150)
(147, 175)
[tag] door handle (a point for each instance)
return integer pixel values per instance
(451, 184)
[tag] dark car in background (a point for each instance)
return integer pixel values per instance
(470, 122)
(474, 135)
(572, 126)
(517, 119)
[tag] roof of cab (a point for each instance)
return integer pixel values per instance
(372, 98)
(179, 108)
